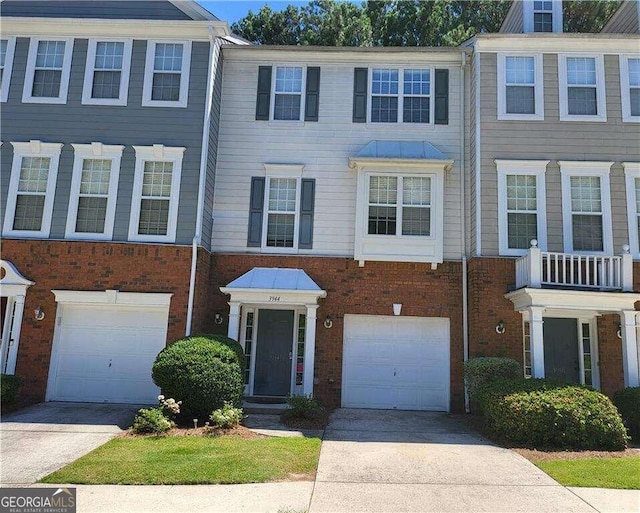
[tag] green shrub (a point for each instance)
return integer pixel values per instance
(226, 417)
(302, 406)
(229, 342)
(9, 388)
(628, 403)
(480, 372)
(202, 372)
(151, 420)
(541, 414)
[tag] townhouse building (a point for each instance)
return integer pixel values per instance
(553, 179)
(108, 134)
(361, 220)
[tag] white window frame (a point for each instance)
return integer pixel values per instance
(156, 153)
(625, 93)
(303, 93)
(100, 152)
(538, 169)
(32, 149)
(89, 71)
(31, 69)
(601, 93)
(8, 68)
(570, 169)
(401, 95)
(291, 172)
(631, 173)
(538, 86)
(528, 16)
(149, 72)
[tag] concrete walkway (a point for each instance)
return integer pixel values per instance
(42, 438)
(380, 461)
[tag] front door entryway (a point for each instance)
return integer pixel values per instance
(274, 353)
(561, 355)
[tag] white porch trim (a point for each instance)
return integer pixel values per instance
(113, 297)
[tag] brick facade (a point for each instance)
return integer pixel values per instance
(88, 266)
(351, 289)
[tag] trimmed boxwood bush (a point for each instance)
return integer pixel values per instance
(628, 403)
(9, 387)
(481, 372)
(152, 421)
(201, 371)
(542, 414)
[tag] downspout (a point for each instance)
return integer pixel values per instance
(197, 239)
(463, 224)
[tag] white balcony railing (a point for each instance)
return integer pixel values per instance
(543, 268)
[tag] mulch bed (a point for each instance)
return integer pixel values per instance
(535, 456)
(237, 431)
(316, 420)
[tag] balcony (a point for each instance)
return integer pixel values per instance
(545, 269)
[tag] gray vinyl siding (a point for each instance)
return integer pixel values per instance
(214, 131)
(106, 9)
(129, 126)
(513, 23)
(625, 20)
(555, 140)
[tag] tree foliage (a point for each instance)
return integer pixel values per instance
(399, 22)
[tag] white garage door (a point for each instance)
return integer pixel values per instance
(396, 362)
(104, 353)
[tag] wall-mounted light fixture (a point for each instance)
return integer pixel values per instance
(397, 308)
(500, 327)
(39, 314)
(328, 323)
(619, 331)
(217, 318)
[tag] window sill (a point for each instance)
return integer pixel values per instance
(88, 237)
(520, 117)
(23, 234)
(283, 123)
(631, 119)
(149, 238)
(152, 103)
(100, 101)
(37, 99)
(583, 119)
(386, 124)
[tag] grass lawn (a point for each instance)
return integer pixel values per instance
(193, 460)
(621, 473)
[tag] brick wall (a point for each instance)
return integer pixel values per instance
(610, 352)
(89, 266)
(351, 289)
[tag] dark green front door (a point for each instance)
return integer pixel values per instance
(561, 360)
(273, 353)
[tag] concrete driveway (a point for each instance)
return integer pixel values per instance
(380, 461)
(42, 438)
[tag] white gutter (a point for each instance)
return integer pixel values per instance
(197, 239)
(463, 225)
(478, 167)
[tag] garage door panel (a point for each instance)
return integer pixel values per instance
(104, 353)
(396, 362)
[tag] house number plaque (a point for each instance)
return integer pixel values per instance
(274, 299)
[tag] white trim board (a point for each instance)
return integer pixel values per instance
(113, 297)
(7, 69)
(631, 174)
(625, 86)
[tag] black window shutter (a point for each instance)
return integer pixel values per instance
(441, 116)
(313, 94)
(256, 205)
(263, 98)
(360, 78)
(307, 201)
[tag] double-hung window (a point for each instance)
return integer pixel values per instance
(156, 190)
(31, 189)
(166, 78)
(630, 83)
(632, 176)
(543, 16)
(520, 90)
(7, 49)
(586, 207)
(287, 93)
(48, 69)
(399, 205)
(281, 212)
(582, 88)
(400, 95)
(106, 78)
(521, 205)
(94, 187)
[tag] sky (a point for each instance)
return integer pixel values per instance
(233, 10)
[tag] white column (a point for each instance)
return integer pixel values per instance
(14, 338)
(535, 265)
(309, 350)
(627, 269)
(537, 341)
(234, 320)
(629, 348)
